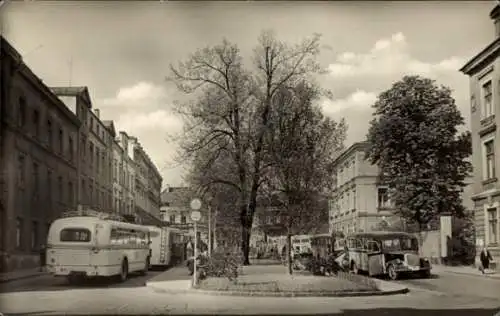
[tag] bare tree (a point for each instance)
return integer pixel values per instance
(302, 146)
(231, 110)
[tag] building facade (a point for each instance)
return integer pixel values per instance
(94, 150)
(359, 202)
(38, 161)
(176, 211)
(148, 181)
(484, 73)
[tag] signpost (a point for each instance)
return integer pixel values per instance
(195, 217)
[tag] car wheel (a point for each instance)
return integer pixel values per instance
(391, 271)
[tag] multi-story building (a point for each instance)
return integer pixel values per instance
(176, 211)
(148, 180)
(484, 73)
(38, 161)
(359, 202)
(95, 149)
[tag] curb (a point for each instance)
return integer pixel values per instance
(401, 290)
(475, 275)
(29, 276)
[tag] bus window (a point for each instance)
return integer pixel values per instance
(115, 237)
(75, 235)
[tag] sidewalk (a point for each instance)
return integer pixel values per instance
(468, 270)
(20, 274)
(172, 280)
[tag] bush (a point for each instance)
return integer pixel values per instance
(224, 263)
(320, 266)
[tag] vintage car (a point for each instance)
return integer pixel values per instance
(386, 253)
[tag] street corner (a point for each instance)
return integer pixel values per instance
(171, 287)
(390, 288)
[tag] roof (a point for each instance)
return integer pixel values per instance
(33, 79)
(359, 146)
(73, 91)
(477, 62)
(110, 126)
(177, 196)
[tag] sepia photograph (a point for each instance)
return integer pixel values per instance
(249, 157)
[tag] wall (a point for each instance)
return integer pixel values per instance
(430, 245)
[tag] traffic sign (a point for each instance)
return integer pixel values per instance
(195, 216)
(195, 204)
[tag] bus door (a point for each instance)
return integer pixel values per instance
(375, 258)
(363, 254)
(94, 256)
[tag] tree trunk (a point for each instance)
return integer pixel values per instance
(245, 245)
(289, 255)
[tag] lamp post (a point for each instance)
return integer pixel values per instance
(195, 217)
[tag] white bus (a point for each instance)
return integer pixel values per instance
(163, 245)
(95, 245)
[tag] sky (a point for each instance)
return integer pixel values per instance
(122, 51)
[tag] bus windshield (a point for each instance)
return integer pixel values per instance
(400, 244)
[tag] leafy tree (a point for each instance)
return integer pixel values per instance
(302, 146)
(230, 108)
(414, 140)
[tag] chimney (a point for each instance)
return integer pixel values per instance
(97, 113)
(495, 16)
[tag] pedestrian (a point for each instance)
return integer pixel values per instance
(43, 257)
(485, 258)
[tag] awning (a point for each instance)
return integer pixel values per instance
(145, 218)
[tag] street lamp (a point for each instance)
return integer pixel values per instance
(195, 217)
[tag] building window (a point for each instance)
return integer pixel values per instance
(383, 198)
(49, 134)
(36, 123)
(183, 219)
(19, 233)
(172, 219)
(70, 193)
(36, 180)
(82, 148)
(489, 151)
(49, 186)
(70, 148)
(487, 100)
(21, 161)
(84, 190)
(60, 189)
(492, 226)
(34, 235)
(61, 142)
(354, 198)
(91, 153)
(21, 115)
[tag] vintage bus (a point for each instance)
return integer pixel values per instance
(386, 253)
(89, 244)
(166, 246)
(323, 245)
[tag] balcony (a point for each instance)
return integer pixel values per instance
(488, 125)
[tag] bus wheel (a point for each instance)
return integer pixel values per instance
(146, 267)
(391, 271)
(124, 271)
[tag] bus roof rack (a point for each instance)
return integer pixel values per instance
(93, 213)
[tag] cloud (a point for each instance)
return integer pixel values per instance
(142, 94)
(358, 100)
(389, 56)
(356, 78)
(159, 120)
